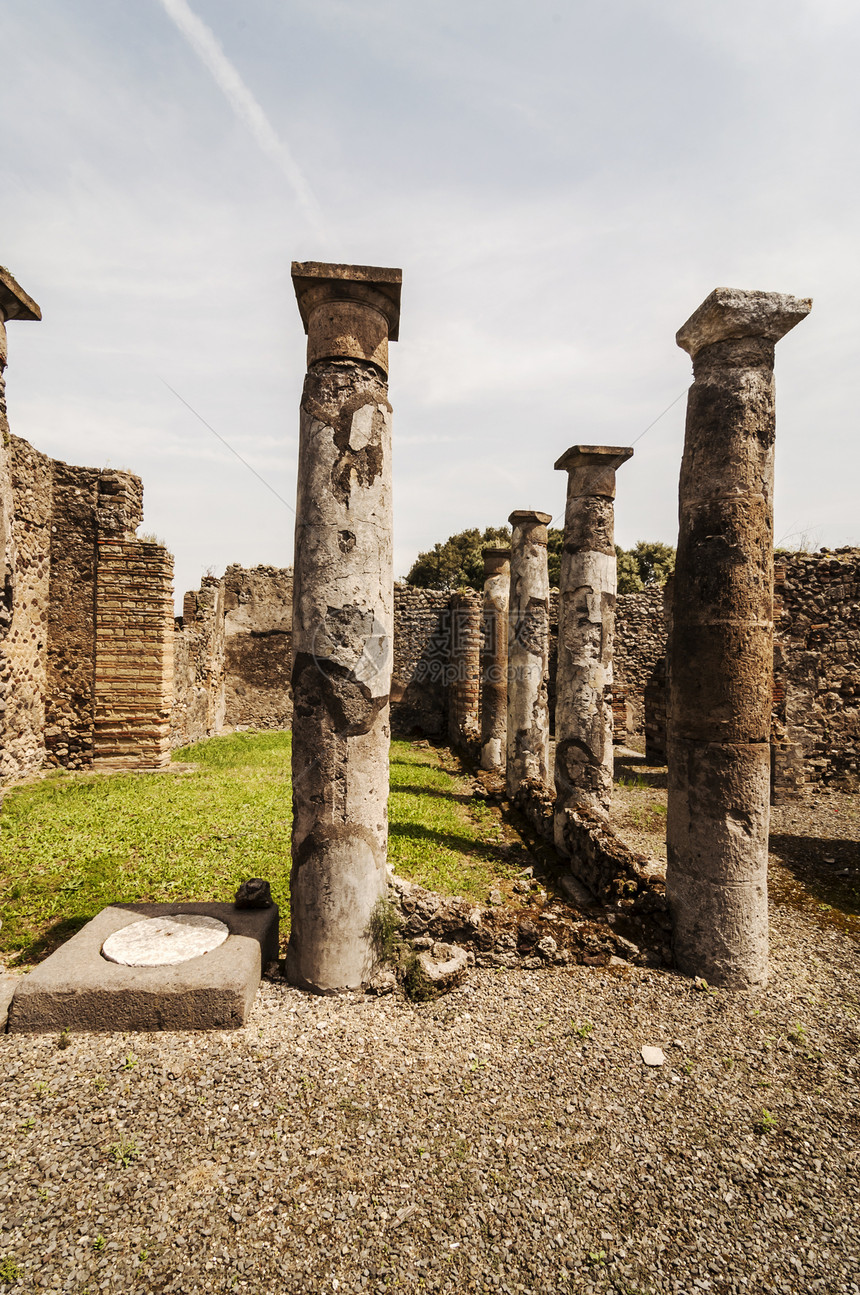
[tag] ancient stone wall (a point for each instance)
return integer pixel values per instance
(198, 665)
(258, 624)
(50, 668)
(815, 730)
(422, 629)
(24, 646)
(640, 646)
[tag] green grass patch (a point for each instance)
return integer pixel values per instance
(438, 836)
(71, 844)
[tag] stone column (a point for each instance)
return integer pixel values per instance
(528, 652)
(721, 652)
(586, 632)
(343, 596)
(464, 668)
(494, 659)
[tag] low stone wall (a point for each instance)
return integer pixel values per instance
(629, 885)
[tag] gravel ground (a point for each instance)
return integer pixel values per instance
(504, 1138)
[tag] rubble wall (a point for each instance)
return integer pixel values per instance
(198, 705)
(24, 642)
(422, 631)
(815, 729)
(640, 646)
(258, 627)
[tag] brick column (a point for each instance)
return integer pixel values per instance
(494, 659)
(721, 652)
(133, 686)
(343, 593)
(464, 671)
(586, 630)
(528, 652)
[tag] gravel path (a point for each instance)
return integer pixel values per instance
(505, 1138)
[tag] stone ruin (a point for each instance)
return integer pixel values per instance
(86, 621)
(741, 716)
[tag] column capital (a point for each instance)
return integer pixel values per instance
(14, 301)
(735, 313)
(348, 311)
(592, 468)
(495, 560)
(528, 517)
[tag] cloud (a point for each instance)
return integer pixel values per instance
(207, 48)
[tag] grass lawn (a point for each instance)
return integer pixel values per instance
(71, 844)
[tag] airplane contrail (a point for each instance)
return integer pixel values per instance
(205, 45)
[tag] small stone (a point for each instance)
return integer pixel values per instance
(445, 966)
(653, 1056)
(254, 893)
(383, 982)
(495, 897)
(547, 947)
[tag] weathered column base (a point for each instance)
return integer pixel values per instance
(717, 833)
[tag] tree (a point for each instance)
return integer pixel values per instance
(648, 563)
(459, 562)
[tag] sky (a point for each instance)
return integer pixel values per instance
(562, 185)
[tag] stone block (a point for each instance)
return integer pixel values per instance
(77, 989)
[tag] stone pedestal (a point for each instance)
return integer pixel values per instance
(721, 652)
(528, 652)
(342, 623)
(494, 659)
(586, 631)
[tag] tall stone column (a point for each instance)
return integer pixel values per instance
(721, 652)
(586, 632)
(343, 594)
(494, 659)
(464, 663)
(528, 652)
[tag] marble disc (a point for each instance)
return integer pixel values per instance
(160, 941)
